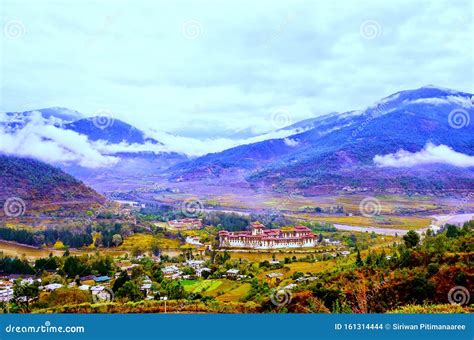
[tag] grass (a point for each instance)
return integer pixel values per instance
(392, 222)
(235, 295)
(202, 286)
(144, 241)
(304, 267)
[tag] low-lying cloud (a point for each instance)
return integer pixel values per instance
(430, 154)
(51, 144)
(41, 140)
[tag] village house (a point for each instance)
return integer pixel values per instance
(274, 278)
(186, 224)
(52, 286)
(260, 238)
(199, 271)
(6, 294)
(172, 272)
(231, 273)
(193, 240)
(331, 242)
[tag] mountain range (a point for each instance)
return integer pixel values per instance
(340, 151)
(413, 141)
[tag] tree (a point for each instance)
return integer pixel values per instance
(359, 262)
(155, 247)
(23, 293)
(411, 239)
(130, 291)
(73, 266)
(117, 240)
(120, 281)
(452, 231)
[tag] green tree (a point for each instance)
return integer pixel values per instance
(120, 281)
(24, 293)
(452, 231)
(359, 262)
(130, 291)
(411, 239)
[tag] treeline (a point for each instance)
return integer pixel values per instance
(70, 266)
(227, 221)
(105, 235)
(9, 265)
(48, 236)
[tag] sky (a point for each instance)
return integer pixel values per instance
(213, 68)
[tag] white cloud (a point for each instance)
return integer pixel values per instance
(52, 145)
(132, 59)
(455, 100)
(430, 154)
(291, 142)
(196, 147)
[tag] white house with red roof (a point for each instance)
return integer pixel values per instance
(261, 238)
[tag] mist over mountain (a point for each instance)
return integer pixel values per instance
(338, 151)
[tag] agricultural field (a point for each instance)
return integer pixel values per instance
(222, 289)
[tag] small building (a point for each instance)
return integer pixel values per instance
(199, 271)
(186, 224)
(274, 278)
(6, 294)
(52, 286)
(101, 279)
(434, 229)
(232, 273)
(193, 240)
(195, 264)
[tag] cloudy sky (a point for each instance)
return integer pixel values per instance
(188, 66)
